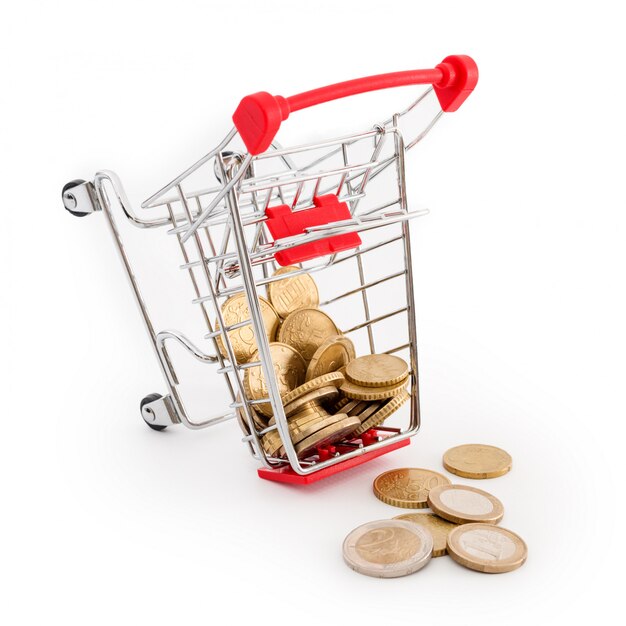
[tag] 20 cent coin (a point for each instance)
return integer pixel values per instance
(407, 487)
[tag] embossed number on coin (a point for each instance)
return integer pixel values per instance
(407, 487)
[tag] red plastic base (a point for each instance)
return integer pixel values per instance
(287, 475)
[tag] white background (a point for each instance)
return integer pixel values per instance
(520, 281)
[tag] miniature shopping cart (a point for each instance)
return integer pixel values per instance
(252, 205)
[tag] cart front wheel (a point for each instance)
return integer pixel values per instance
(67, 187)
(151, 398)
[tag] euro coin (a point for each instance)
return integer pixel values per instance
(340, 404)
(461, 504)
(350, 406)
(236, 310)
(379, 416)
(489, 549)
(325, 380)
(388, 548)
(319, 396)
(306, 330)
(407, 487)
(370, 409)
(438, 527)
(377, 370)
(289, 370)
(334, 353)
(292, 293)
(342, 426)
(477, 461)
(300, 426)
(358, 392)
(309, 431)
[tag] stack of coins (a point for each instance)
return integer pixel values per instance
(463, 521)
(329, 395)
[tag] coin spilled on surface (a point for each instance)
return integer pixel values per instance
(475, 460)
(462, 523)
(461, 504)
(407, 487)
(488, 549)
(388, 548)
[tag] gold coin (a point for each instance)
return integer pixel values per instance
(357, 392)
(390, 407)
(407, 487)
(477, 461)
(377, 370)
(331, 434)
(319, 396)
(289, 369)
(290, 294)
(335, 408)
(489, 549)
(438, 527)
(462, 504)
(356, 408)
(315, 397)
(387, 548)
(236, 310)
(306, 330)
(333, 378)
(309, 430)
(371, 408)
(302, 425)
(337, 351)
(349, 405)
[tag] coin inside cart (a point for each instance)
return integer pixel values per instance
(388, 548)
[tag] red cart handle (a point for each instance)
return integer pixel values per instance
(259, 115)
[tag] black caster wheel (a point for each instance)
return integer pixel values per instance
(67, 187)
(151, 398)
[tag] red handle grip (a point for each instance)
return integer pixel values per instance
(259, 115)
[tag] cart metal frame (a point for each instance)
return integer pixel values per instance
(226, 249)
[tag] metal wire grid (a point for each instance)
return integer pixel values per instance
(226, 250)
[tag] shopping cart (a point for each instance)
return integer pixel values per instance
(321, 206)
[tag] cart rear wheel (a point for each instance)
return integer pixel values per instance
(67, 187)
(151, 398)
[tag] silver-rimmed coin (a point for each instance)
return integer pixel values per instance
(489, 549)
(388, 548)
(462, 504)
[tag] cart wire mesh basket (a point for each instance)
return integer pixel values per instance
(251, 206)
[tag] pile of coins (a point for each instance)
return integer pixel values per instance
(329, 395)
(462, 523)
